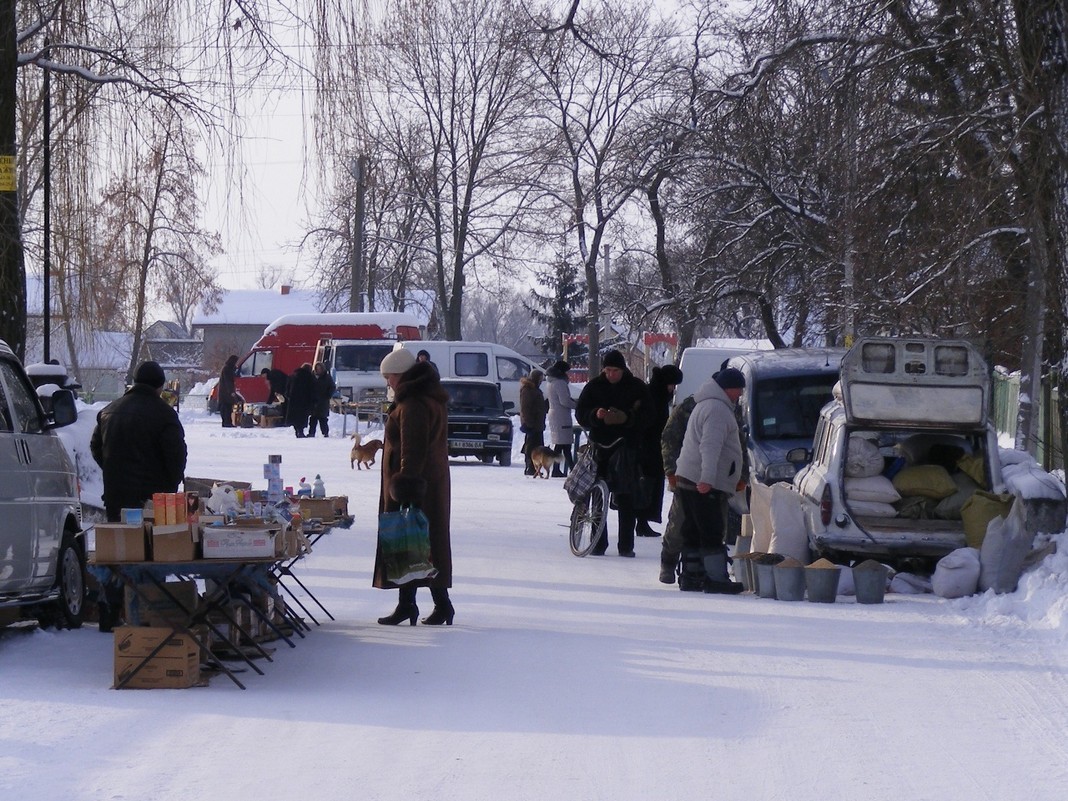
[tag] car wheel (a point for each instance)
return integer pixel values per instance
(69, 609)
(487, 458)
(505, 458)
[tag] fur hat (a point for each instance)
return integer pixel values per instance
(151, 374)
(730, 378)
(398, 361)
(536, 376)
(670, 374)
(560, 367)
(614, 359)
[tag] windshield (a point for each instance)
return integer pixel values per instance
(789, 407)
(473, 397)
(360, 358)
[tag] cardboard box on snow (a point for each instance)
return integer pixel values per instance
(120, 542)
(151, 607)
(175, 666)
(172, 543)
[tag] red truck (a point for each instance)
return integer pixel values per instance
(290, 341)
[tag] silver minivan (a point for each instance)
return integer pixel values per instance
(42, 546)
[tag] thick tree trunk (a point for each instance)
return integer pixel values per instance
(12, 266)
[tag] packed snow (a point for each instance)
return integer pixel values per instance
(561, 678)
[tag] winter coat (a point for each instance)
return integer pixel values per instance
(532, 406)
(651, 458)
(711, 450)
(300, 396)
(415, 465)
(558, 394)
(139, 443)
(226, 382)
(674, 432)
(324, 391)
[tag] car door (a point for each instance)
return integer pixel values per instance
(17, 544)
(52, 487)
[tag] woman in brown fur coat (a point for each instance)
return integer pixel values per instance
(415, 471)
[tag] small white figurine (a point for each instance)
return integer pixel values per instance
(318, 487)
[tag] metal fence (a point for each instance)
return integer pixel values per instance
(1006, 405)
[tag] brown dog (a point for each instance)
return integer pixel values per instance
(363, 454)
(543, 459)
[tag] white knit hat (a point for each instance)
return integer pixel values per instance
(400, 360)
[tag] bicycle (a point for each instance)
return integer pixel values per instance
(589, 516)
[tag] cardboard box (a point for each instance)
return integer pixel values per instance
(172, 543)
(150, 607)
(326, 509)
(120, 542)
(234, 542)
(176, 666)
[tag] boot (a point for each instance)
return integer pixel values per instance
(716, 579)
(692, 572)
(669, 565)
(643, 529)
(443, 611)
(406, 609)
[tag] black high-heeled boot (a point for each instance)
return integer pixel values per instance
(406, 609)
(443, 611)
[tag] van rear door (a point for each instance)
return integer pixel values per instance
(916, 382)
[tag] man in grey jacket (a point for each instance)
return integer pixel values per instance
(707, 473)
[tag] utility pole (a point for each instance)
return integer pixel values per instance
(356, 296)
(12, 260)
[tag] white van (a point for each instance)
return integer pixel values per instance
(700, 362)
(355, 365)
(486, 360)
(42, 546)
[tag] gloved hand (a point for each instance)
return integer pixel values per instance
(614, 417)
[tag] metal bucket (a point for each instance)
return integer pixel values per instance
(763, 567)
(789, 581)
(821, 582)
(869, 580)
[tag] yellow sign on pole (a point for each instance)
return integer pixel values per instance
(8, 182)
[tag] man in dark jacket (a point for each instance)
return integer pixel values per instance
(139, 444)
(324, 391)
(300, 398)
(616, 405)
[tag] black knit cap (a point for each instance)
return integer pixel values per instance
(614, 359)
(730, 378)
(150, 374)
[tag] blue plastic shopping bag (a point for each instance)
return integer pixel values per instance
(404, 545)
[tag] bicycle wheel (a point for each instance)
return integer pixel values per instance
(588, 520)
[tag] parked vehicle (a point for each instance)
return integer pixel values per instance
(479, 424)
(699, 363)
(903, 404)
(355, 366)
(292, 339)
(42, 546)
(784, 392)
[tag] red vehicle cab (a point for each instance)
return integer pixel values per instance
(290, 341)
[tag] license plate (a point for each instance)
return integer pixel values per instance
(464, 443)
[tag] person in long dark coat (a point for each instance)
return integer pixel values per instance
(227, 393)
(300, 398)
(415, 472)
(616, 405)
(532, 411)
(324, 391)
(139, 444)
(662, 383)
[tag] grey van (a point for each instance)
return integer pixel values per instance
(42, 546)
(784, 392)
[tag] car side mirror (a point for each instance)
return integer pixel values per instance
(64, 412)
(509, 406)
(798, 455)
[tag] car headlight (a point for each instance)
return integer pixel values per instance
(780, 471)
(500, 428)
